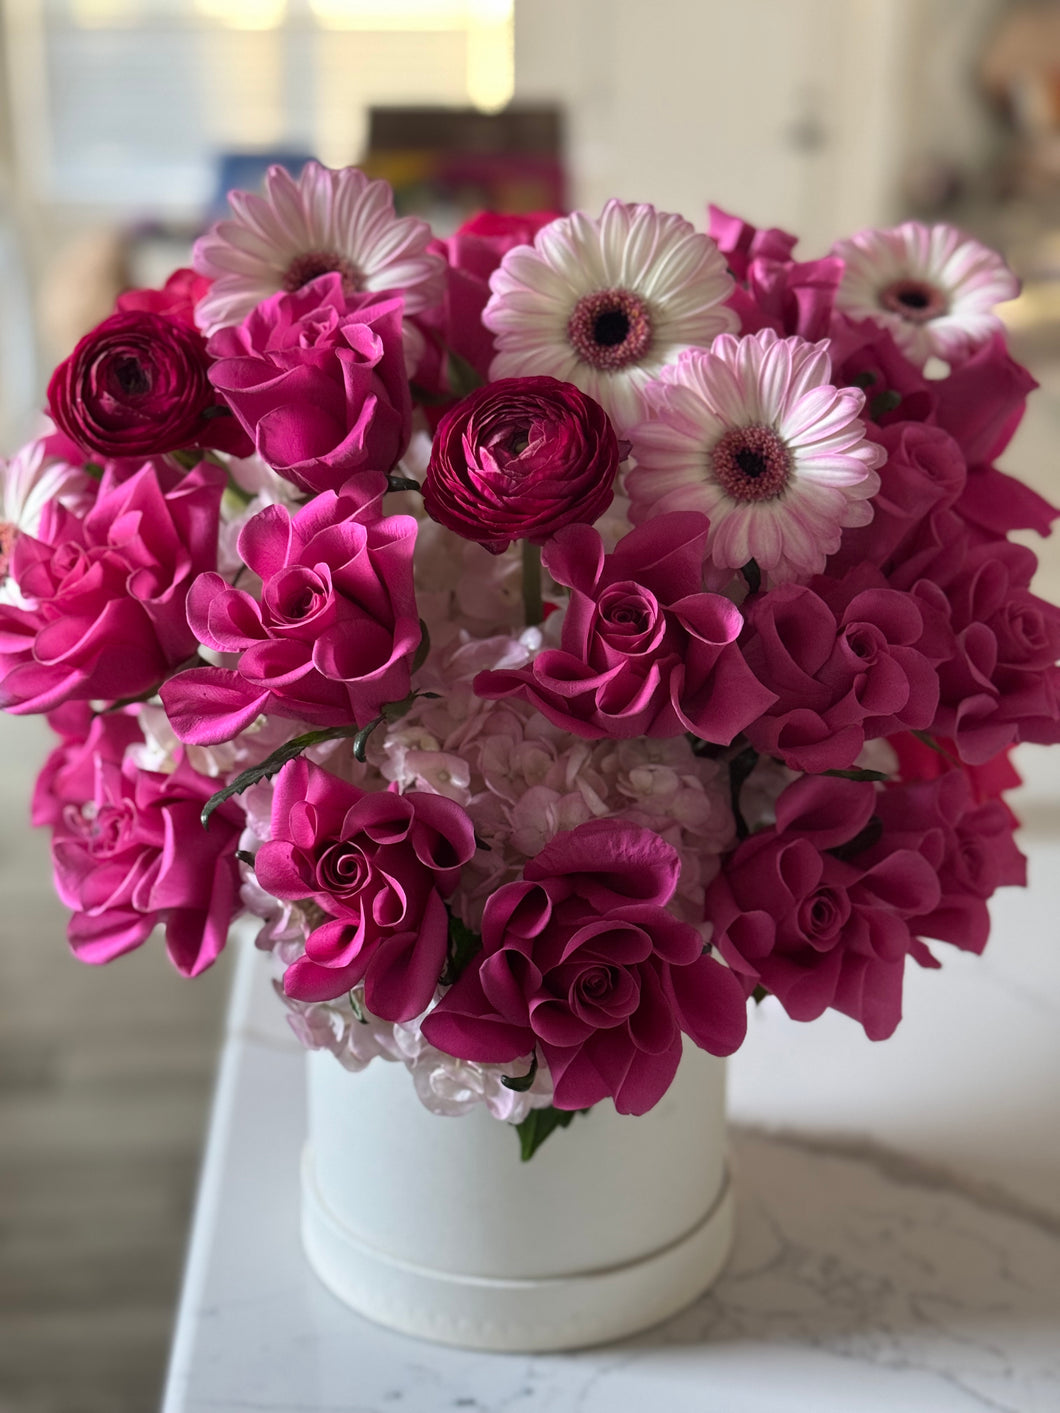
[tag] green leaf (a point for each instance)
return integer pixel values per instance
(460, 375)
(521, 1082)
(289, 751)
(871, 834)
(402, 483)
(537, 1126)
(424, 648)
(753, 574)
(740, 768)
(187, 457)
(864, 379)
(93, 469)
(358, 1010)
(463, 944)
(217, 410)
(929, 741)
(856, 773)
(759, 994)
(883, 403)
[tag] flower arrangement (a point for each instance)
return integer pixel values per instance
(556, 635)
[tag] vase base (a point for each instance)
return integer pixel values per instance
(513, 1316)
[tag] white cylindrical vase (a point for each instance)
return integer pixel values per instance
(435, 1226)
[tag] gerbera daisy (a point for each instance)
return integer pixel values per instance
(607, 304)
(753, 434)
(33, 478)
(300, 228)
(933, 287)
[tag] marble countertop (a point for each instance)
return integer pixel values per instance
(898, 1238)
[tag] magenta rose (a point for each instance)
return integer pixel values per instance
(317, 379)
(848, 660)
(805, 911)
(518, 460)
(137, 386)
(128, 850)
(581, 961)
(924, 471)
(175, 300)
(380, 867)
(332, 637)
(970, 845)
(106, 592)
(643, 651)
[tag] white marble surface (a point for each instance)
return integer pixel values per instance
(898, 1231)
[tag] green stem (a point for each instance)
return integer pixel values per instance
(532, 583)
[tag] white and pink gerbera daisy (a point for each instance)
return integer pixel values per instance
(933, 287)
(607, 304)
(33, 478)
(754, 435)
(302, 227)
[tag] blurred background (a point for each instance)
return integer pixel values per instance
(122, 124)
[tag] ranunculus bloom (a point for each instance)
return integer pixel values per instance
(175, 300)
(331, 640)
(137, 386)
(518, 459)
(643, 651)
(107, 592)
(128, 849)
(849, 660)
(380, 866)
(582, 961)
(818, 928)
(317, 378)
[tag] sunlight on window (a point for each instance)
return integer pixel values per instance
(244, 14)
(105, 14)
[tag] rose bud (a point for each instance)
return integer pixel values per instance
(520, 458)
(137, 386)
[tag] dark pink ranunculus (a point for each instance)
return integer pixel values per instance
(175, 300)
(848, 659)
(380, 866)
(644, 652)
(803, 910)
(107, 591)
(317, 379)
(581, 961)
(137, 385)
(970, 846)
(128, 850)
(332, 638)
(519, 459)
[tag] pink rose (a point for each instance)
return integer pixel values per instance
(317, 379)
(644, 652)
(924, 470)
(107, 592)
(137, 386)
(333, 635)
(848, 660)
(518, 459)
(806, 911)
(969, 845)
(380, 867)
(128, 850)
(581, 960)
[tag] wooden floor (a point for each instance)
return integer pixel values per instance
(105, 1075)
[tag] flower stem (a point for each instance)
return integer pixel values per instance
(532, 583)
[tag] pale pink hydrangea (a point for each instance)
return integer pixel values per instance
(452, 1087)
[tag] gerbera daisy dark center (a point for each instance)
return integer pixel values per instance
(914, 300)
(610, 329)
(308, 266)
(751, 463)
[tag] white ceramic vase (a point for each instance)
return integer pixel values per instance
(435, 1227)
